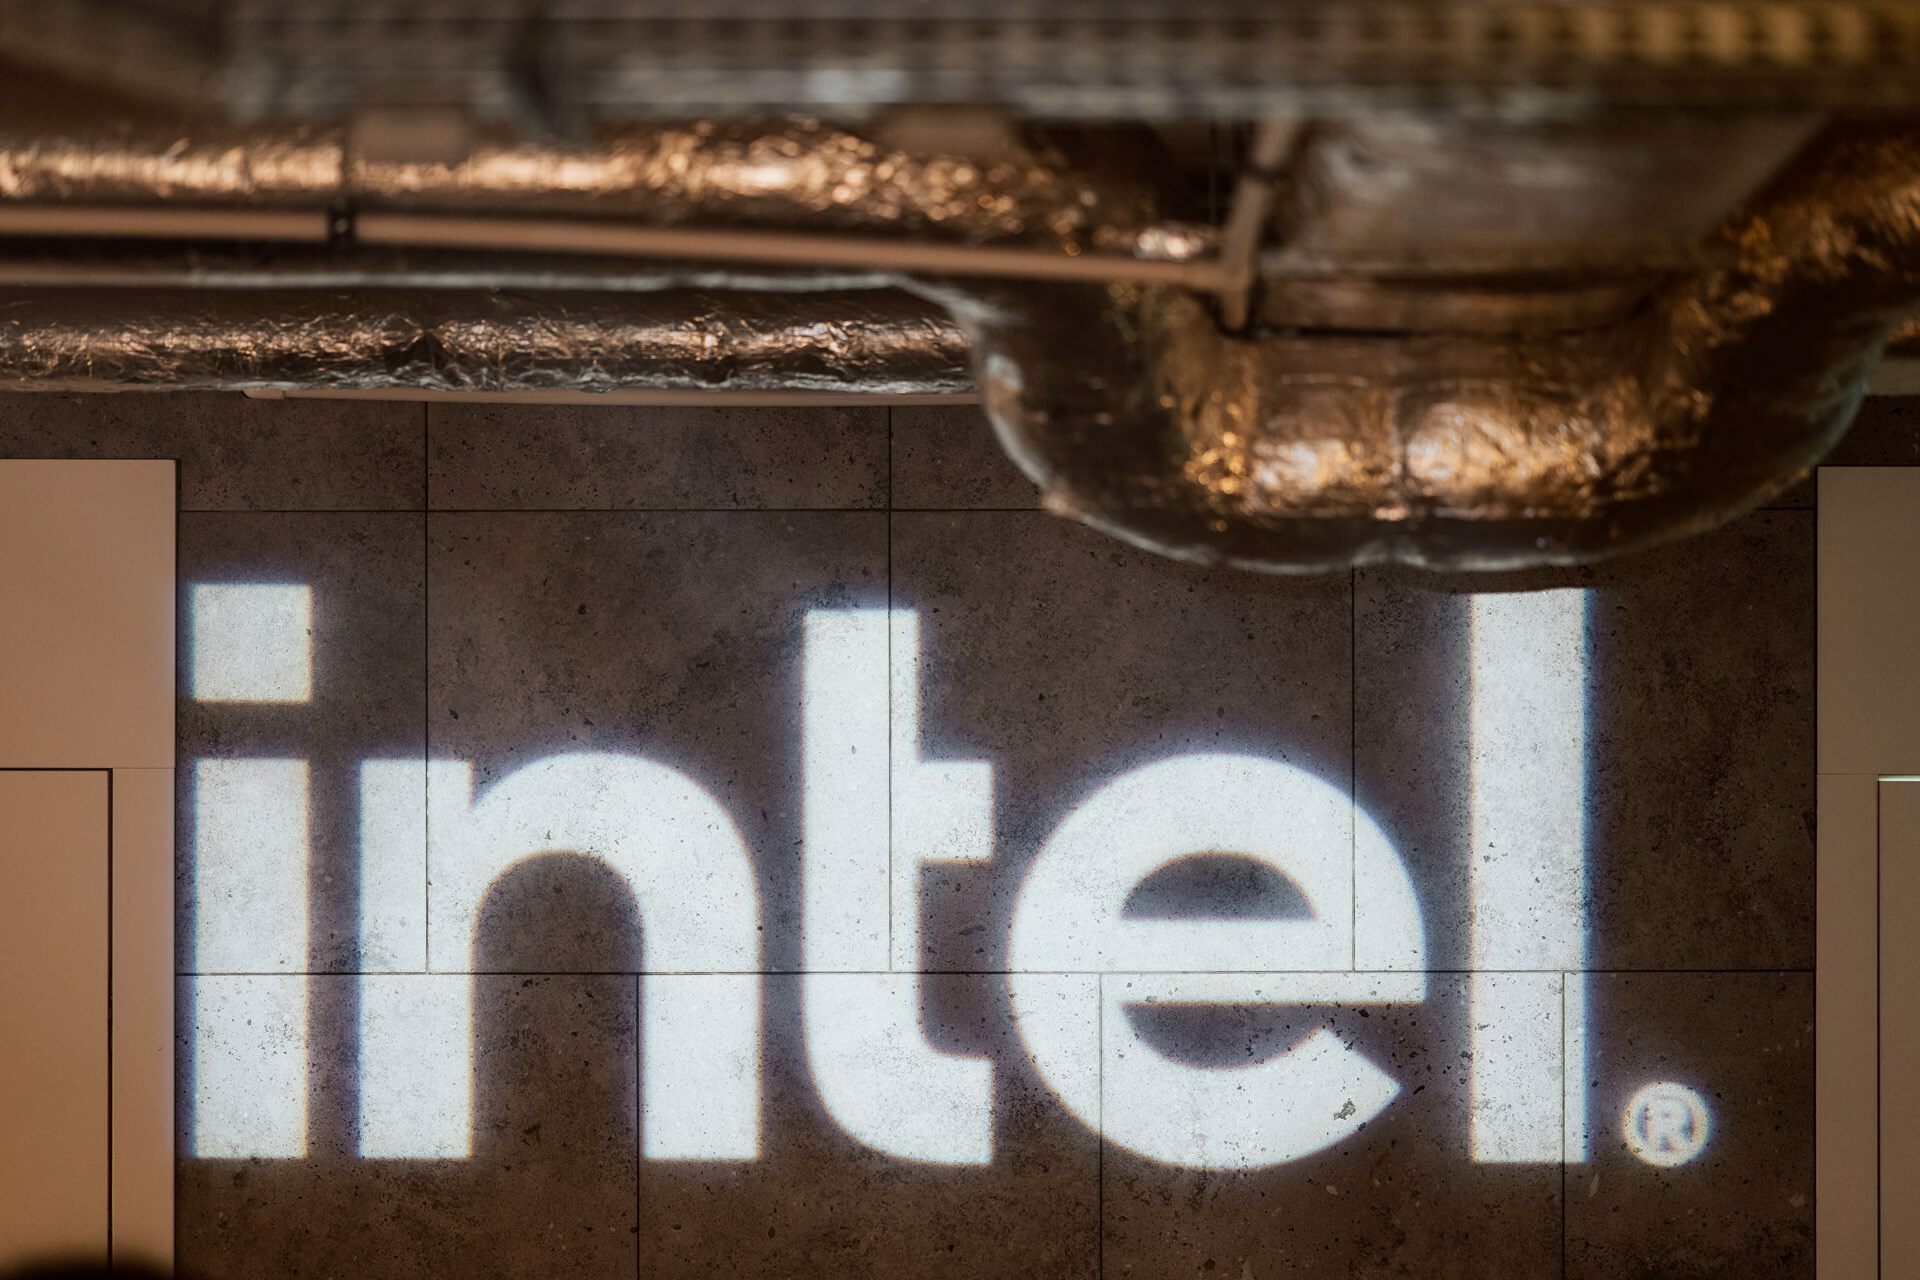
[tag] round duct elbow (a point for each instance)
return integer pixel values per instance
(1136, 414)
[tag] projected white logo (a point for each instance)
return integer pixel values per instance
(1076, 963)
(876, 812)
(1666, 1124)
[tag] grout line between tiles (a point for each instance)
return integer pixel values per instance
(586, 511)
(408, 510)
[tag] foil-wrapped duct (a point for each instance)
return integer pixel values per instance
(780, 173)
(790, 173)
(874, 342)
(1129, 404)
(205, 164)
(1135, 413)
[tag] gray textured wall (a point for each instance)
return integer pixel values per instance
(498, 585)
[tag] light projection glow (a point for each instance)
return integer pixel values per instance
(1364, 943)
(876, 814)
(250, 928)
(249, 1066)
(250, 866)
(1527, 859)
(393, 866)
(251, 642)
(687, 868)
(408, 1112)
(1666, 1125)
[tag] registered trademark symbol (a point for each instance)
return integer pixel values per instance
(1666, 1124)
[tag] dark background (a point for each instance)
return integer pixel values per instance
(497, 584)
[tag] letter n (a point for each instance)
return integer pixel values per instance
(431, 851)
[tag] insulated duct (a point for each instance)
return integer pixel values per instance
(1297, 452)
(1127, 401)
(876, 342)
(738, 175)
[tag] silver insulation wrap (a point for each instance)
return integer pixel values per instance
(1136, 414)
(782, 173)
(1285, 450)
(202, 164)
(877, 342)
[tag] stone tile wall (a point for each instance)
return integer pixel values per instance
(503, 585)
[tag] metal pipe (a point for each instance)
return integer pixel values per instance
(660, 396)
(763, 248)
(112, 223)
(589, 237)
(1109, 378)
(1136, 414)
(766, 175)
(720, 193)
(877, 342)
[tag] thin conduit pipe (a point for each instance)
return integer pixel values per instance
(653, 397)
(107, 222)
(552, 235)
(775, 248)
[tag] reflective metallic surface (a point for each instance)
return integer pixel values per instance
(207, 164)
(1137, 415)
(1544, 393)
(771, 175)
(875, 342)
(776, 174)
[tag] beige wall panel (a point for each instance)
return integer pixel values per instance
(86, 614)
(1846, 1081)
(1869, 636)
(53, 1013)
(1869, 873)
(1899, 1028)
(143, 1141)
